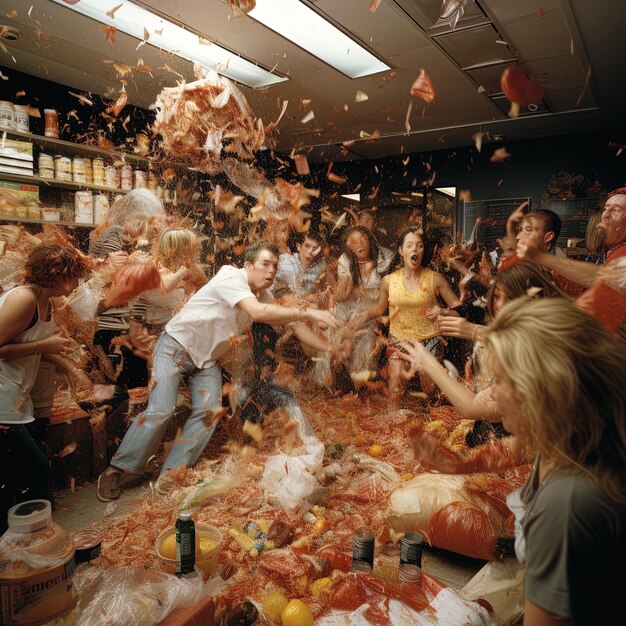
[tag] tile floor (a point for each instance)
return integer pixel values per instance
(81, 508)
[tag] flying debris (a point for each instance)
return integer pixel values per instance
(423, 87)
(450, 12)
(499, 154)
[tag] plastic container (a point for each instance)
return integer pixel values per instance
(36, 568)
(111, 176)
(45, 165)
(205, 560)
(141, 180)
(62, 168)
(88, 546)
(51, 123)
(100, 207)
(97, 166)
(7, 115)
(22, 122)
(83, 207)
(78, 170)
(126, 177)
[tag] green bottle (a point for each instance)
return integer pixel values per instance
(185, 544)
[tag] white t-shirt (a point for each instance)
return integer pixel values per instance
(205, 325)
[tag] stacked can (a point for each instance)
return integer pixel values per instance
(126, 177)
(45, 165)
(62, 168)
(411, 546)
(363, 550)
(97, 168)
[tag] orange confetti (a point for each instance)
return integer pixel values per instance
(114, 10)
(500, 154)
(423, 87)
(302, 164)
(110, 32)
(119, 104)
(69, 448)
(374, 4)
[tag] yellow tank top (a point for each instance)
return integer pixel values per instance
(407, 309)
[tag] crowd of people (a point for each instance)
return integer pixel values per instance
(538, 337)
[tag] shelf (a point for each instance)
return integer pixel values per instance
(76, 149)
(32, 220)
(53, 182)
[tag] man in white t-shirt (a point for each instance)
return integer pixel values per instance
(190, 346)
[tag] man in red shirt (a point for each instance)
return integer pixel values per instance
(606, 296)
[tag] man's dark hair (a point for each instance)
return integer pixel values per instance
(551, 222)
(315, 235)
(252, 252)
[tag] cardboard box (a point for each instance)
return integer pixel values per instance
(23, 192)
(22, 150)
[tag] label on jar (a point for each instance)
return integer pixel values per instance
(7, 115)
(21, 118)
(41, 595)
(51, 123)
(63, 168)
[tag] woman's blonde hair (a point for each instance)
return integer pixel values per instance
(139, 212)
(594, 236)
(175, 247)
(568, 377)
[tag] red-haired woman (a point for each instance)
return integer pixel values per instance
(27, 334)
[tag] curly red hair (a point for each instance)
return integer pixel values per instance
(50, 263)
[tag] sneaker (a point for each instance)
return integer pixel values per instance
(107, 489)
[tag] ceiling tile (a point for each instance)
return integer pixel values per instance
(489, 77)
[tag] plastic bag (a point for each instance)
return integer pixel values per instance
(133, 596)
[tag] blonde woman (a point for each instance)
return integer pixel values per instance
(559, 382)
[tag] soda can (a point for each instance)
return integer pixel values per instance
(185, 544)
(363, 550)
(411, 547)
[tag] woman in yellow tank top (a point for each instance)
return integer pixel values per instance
(411, 294)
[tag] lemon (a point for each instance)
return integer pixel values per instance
(376, 450)
(322, 586)
(296, 613)
(273, 606)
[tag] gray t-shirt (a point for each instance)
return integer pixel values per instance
(573, 530)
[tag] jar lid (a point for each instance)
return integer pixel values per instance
(184, 515)
(30, 516)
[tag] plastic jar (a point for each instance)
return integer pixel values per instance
(62, 168)
(88, 171)
(45, 165)
(126, 177)
(141, 180)
(111, 176)
(100, 207)
(36, 567)
(7, 115)
(51, 123)
(83, 207)
(97, 167)
(22, 122)
(78, 170)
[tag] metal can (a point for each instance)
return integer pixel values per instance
(7, 115)
(51, 123)
(78, 170)
(45, 165)
(363, 550)
(185, 544)
(126, 177)
(22, 122)
(62, 167)
(141, 180)
(411, 547)
(83, 207)
(87, 545)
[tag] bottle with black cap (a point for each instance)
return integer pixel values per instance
(185, 544)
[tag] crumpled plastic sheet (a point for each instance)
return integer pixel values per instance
(133, 596)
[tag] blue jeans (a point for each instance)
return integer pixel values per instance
(172, 363)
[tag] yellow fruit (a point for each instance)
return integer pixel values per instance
(274, 605)
(376, 450)
(168, 547)
(296, 613)
(322, 586)
(406, 476)
(320, 526)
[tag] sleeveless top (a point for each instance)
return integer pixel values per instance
(407, 309)
(17, 377)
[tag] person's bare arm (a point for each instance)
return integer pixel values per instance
(536, 616)
(344, 288)
(276, 314)
(452, 300)
(473, 406)
(170, 280)
(514, 219)
(459, 327)
(377, 310)
(319, 343)
(580, 272)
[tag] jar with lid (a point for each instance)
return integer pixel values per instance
(88, 171)
(83, 207)
(45, 164)
(141, 180)
(126, 177)
(51, 123)
(87, 544)
(7, 115)
(111, 176)
(36, 568)
(22, 122)
(100, 207)
(78, 170)
(62, 168)
(97, 168)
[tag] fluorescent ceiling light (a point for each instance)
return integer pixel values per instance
(297, 22)
(132, 20)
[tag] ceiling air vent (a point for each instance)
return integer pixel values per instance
(9, 33)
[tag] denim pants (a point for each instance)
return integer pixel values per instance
(172, 363)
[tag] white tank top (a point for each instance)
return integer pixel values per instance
(17, 377)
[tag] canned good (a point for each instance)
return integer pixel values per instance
(7, 115)
(78, 170)
(111, 176)
(141, 180)
(411, 547)
(45, 164)
(87, 545)
(51, 123)
(126, 177)
(88, 171)
(62, 168)
(185, 544)
(50, 215)
(21, 118)
(363, 550)
(83, 207)
(100, 208)
(97, 168)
